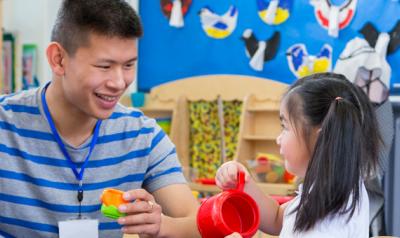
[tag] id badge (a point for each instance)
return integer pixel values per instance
(82, 228)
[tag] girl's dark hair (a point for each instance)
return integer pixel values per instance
(346, 148)
(76, 19)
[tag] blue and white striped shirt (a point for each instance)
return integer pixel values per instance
(38, 188)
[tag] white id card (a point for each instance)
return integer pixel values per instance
(83, 228)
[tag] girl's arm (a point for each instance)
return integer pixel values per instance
(271, 214)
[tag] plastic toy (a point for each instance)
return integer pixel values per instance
(288, 177)
(269, 168)
(227, 212)
(112, 199)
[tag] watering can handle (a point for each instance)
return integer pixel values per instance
(240, 181)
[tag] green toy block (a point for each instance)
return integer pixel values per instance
(111, 212)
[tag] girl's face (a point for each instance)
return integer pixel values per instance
(293, 148)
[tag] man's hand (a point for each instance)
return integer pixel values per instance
(143, 215)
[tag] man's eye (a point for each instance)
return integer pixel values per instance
(103, 66)
(129, 66)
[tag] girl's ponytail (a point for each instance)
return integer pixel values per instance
(332, 172)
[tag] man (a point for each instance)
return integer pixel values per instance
(63, 144)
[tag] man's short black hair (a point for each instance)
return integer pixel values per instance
(77, 19)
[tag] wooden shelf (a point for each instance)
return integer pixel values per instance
(204, 187)
(259, 128)
(263, 109)
(259, 137)
(259, 120)
(277, 188)
(268, 188)
(155, 110)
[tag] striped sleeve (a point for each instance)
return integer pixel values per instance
(164, 166)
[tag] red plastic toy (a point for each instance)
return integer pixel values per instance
(228, 212)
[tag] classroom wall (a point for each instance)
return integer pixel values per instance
(169, 53)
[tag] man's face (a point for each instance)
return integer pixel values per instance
(97, 75)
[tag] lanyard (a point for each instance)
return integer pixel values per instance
(78, 175)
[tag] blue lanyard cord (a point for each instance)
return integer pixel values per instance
(78, 175)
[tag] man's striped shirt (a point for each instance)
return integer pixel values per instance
(37, 186)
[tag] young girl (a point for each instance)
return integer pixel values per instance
(329, 139)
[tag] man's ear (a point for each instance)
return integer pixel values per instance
(56, 56)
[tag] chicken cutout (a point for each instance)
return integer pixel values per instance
(274, 12)
(371, 34)
(216, 26)
(334, 18)
(175, 10)
(260, 52)
(302, 64)
(367, 67)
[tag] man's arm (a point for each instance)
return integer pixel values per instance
(168, 212)
(179, 209)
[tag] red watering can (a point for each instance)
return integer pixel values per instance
(228, 212)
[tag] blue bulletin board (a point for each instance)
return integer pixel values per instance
(167, 53)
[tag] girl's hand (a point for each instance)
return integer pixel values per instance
(142, 216)
(226, 177)
(234, 235)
